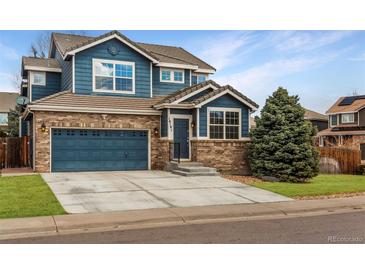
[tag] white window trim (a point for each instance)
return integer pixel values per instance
(172, 75)
(197, 75)
(209, 109)
(39, 84)
(114, 62)
(330, 120)
(349, 115)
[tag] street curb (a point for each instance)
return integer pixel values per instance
(36, 226)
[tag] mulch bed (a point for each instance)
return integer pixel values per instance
(248, 180)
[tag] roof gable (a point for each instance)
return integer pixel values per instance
(162, 55)
(351, 106)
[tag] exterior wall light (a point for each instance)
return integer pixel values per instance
(44, 128)
(156, 131)
(193, 124)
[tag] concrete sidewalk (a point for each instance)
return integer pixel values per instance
(52, 225)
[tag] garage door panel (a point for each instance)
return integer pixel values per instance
(97, 150)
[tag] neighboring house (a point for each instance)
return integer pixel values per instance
(7, 102)
(318, 120)
(346, 124)
(109, 103)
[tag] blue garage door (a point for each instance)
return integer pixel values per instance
(98, 150)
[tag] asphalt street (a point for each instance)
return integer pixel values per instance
(333, 228)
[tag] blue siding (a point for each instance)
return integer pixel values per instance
(83, 67)
(229, 102)
(53, 85)
(162, 88)
(181, 111)
(66, 79)
(194, 121)
(164, 124)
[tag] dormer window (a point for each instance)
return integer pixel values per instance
(172, 75)
(38, 78)
(113, 76)
(348, 118)
(198, 78)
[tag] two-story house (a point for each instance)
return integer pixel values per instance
(109, 103)
(346, 124)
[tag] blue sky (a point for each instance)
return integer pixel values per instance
(319, 66)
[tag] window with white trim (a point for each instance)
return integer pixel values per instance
(347, 118)
(198, 78)
(224, 124)
(39, 78)
(113, 76)
(333, 120)
(3, 119)
(172, 75)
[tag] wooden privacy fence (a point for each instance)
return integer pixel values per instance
(339, 160)
(14, 152)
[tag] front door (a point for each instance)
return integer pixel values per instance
(181, 138)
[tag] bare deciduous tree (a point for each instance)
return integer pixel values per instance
(39, 48)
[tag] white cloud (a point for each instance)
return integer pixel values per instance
(222, 51)
(305, 41)
(8, 52)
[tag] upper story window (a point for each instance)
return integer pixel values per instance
(38, 78)
(113, 76)
(198, 78)
(3, 119)
(333, 120)
(224, 124)
(172, 75)
(348, 118)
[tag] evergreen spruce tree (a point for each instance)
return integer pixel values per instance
(282, 142)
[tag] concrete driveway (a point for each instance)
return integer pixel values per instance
(83, 192)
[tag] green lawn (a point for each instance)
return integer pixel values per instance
(25, 196)
(320, 185)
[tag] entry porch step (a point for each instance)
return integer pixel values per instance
(192, 169)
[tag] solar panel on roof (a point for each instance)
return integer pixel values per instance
(349, 100)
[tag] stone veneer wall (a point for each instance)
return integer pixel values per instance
(229, 157)
(97, 121)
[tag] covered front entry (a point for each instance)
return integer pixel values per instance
(99, 150)
(181, 138)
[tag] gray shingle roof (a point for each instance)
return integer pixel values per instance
(312, 115)
(69, 99)
(41, 62)
(185, 91)
(169, 54)
(7, 101)
(220, 90)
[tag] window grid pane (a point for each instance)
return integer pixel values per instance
(178, 76)
(201, 78)
(216, 117)
(104, 69)
(104, 83)
(39, 79)
(166, 75)
(232, 118)
(123, 84)
(216, 132)
(232, 132)
(125, 71)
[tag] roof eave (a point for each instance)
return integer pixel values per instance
(107, 38)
